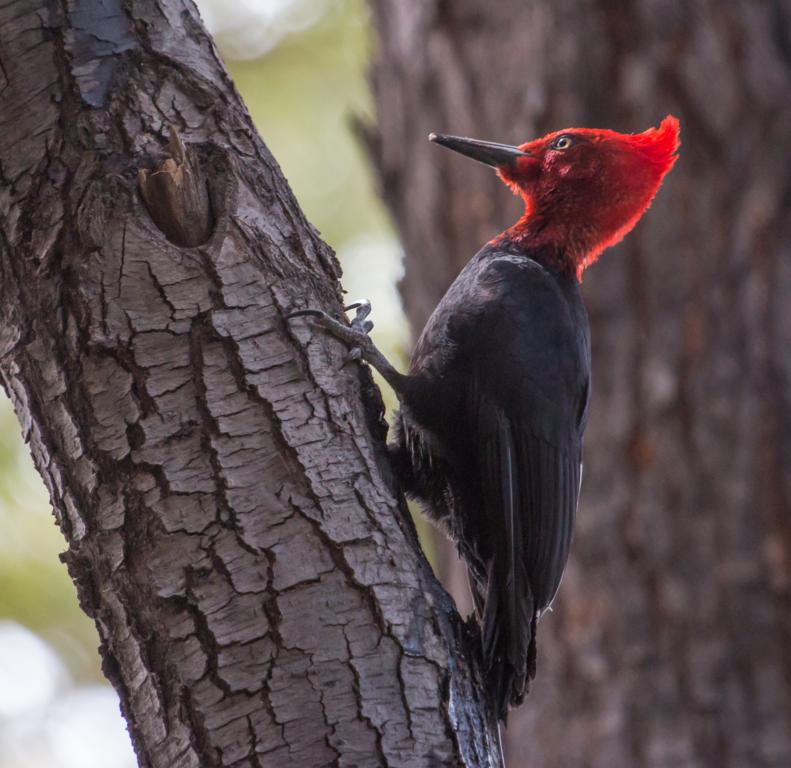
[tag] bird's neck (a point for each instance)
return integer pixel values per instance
(552, 243)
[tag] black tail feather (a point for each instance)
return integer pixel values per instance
(509, 651)
(508, 621)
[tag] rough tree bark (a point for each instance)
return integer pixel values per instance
(669, 643)
(220, 479)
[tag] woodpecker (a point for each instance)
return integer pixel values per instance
(493, 409)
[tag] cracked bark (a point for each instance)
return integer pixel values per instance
(669, 642)
(232, 524)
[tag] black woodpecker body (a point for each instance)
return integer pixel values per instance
(489, 438)
(493, 409)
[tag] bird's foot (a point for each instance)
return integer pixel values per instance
(355, 335)
(361, 324)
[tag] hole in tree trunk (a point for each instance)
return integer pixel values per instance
(176, 196)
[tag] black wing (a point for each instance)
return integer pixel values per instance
(518, 335)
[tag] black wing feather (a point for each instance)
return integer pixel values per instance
(530, 372)
(509, 605)
(518, 335)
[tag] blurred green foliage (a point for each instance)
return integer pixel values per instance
(35, 589)
(302, 97)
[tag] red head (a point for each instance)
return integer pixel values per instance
(583, 189)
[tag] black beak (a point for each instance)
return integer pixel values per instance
(486, 152)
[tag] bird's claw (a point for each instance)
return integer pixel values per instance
(360, 323)
(363, 307)
(355, 334)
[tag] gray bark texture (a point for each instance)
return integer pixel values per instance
(219, 476)
(670, 641)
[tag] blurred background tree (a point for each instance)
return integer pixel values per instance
(669, 641)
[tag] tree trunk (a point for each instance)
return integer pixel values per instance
(220, 478)
(669, 642)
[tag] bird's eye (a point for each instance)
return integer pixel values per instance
(562, 142)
